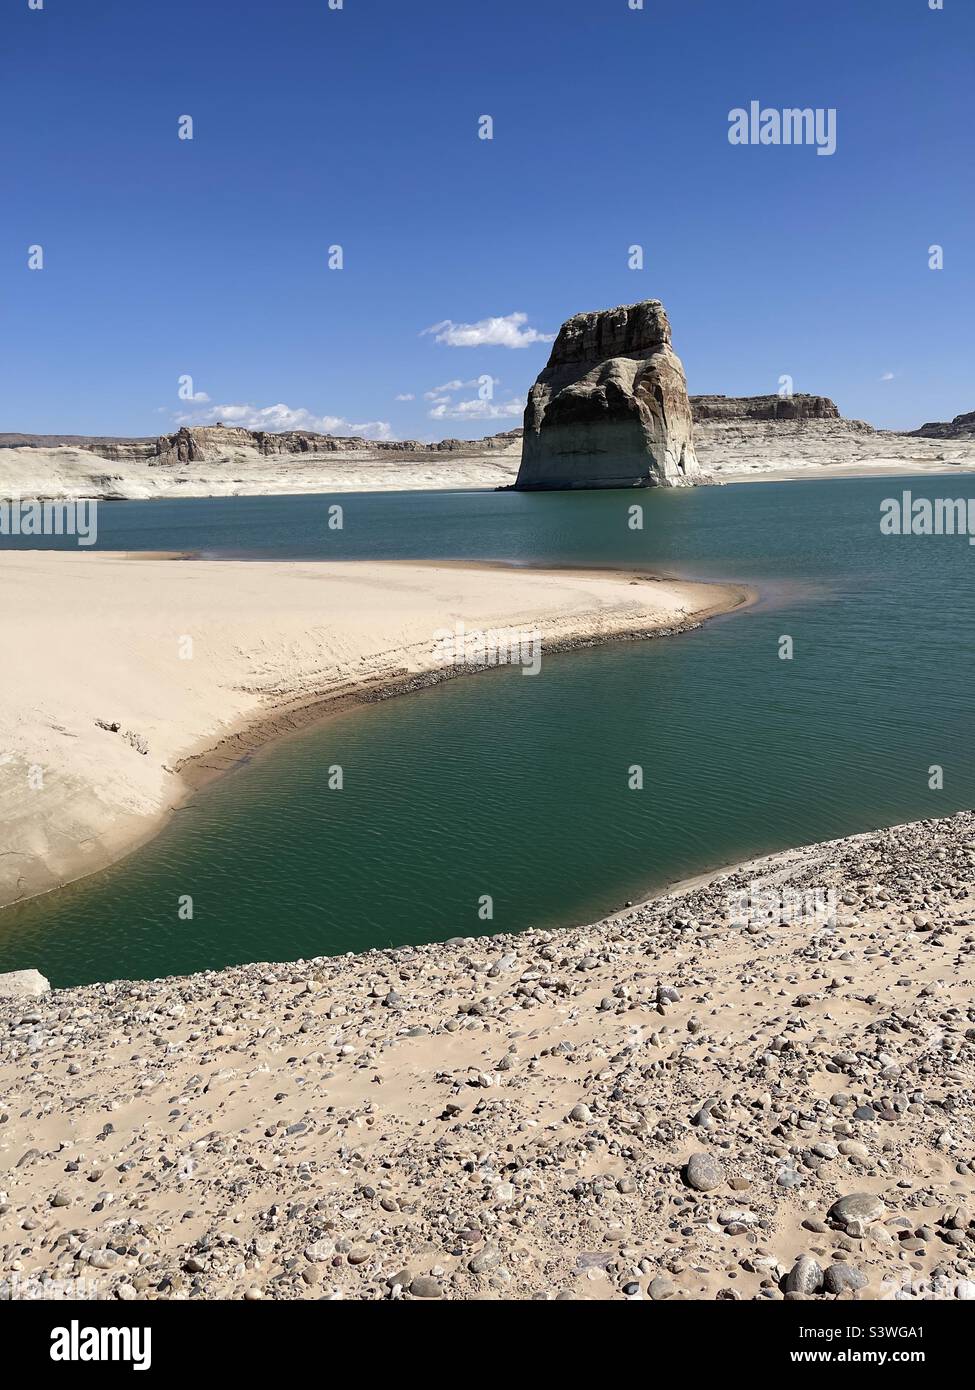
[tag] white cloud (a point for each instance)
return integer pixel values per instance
(506, 331)
(481, 407)
(887, 376)
(446, 389)
(449, 387)
(406, 396)
(478, 409)
(282, 417)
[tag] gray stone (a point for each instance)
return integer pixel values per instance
(703, 1172)
(484, 1259)
(860, 1208)
(805, 1276)
(424, 1286)
(839, 1278)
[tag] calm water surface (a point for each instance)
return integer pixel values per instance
(517, 788)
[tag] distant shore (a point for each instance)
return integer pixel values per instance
(132, 681)
(728, 451)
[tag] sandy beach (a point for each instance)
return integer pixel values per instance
(130, 679)
(676, 1103)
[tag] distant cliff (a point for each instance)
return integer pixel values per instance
(763, 408)
(209, 443)
(219, 461)
(961, 427)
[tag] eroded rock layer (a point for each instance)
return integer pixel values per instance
(764, 408)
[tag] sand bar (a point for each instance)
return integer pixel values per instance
(197, 662)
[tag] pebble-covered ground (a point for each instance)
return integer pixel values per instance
(662, 1105)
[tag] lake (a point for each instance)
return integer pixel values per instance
(518, 789)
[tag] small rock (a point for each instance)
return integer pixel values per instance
(484, 1259)
(703, 1172)
(319, 1251)
(805, 1276)
(859, 1209)
(424, 1286)
(839, 1278)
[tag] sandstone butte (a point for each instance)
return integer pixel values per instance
(610, 409)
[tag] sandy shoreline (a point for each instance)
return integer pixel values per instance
(667, 1104)
(199, 663)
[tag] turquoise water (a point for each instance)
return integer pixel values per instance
(517, 788)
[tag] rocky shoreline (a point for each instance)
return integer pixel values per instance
(681, 1102)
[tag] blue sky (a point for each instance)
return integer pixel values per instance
(358, 127)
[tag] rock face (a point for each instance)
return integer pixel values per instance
(211, 443)
(763, 408)
(611, 408)
(737, 437)
(961, 427)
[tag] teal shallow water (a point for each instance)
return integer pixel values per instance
(517, 788)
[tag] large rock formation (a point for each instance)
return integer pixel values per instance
(611, 408)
